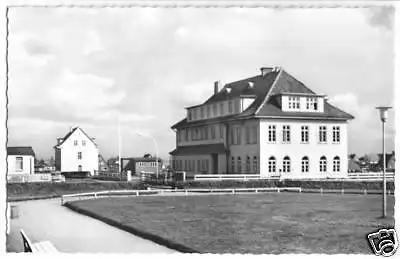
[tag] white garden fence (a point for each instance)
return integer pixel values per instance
(122, 193)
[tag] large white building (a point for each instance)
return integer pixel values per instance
(76, 152)
(270, 124)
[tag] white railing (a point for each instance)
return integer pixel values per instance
(122, 193)
(244, 177)
(371, 175)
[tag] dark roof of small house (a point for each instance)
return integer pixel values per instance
(199, 149)
(266, 89)
(20, 151)
(70, 133)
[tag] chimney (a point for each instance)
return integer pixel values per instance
(216, 86)
(265, 70)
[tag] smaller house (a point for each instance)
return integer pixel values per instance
(142, 164)
(20, 160)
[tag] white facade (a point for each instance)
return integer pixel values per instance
(296, 149)
(20, 164)
(78, 153)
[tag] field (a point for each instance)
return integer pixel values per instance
(250, 223)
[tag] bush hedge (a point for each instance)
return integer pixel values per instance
(311, 184)
(56, 189)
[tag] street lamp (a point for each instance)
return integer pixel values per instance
(155, 144)
(383, 112)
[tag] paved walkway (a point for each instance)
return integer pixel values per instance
(72, 232)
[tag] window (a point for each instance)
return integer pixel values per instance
(294, 102)
(255, 164)
(230, 107)
(205, 133)
(208, 111)
(178, 135)
(201, 112)
(79, 155)
(254, 134)
(207, 165)
(322, 164)
(272, 165)
(239, 164)
(336, 134)
(83, 143)
(286, 164)
(312, 103)
(238, 136)
(232, 164)
(271, 133)
(212, 129)
(221, 131)
(247, 129)
(189, 115)
(75, 142)
(214, 109)
(194, 114)
(322, 134)
(304, 134)
(237, 106)
(186, 134)
(221, 108)
(186, 165)
(19, 163)
(304, 165)
(286, 134)
(198, 165)
(336, 164)
(247, 164)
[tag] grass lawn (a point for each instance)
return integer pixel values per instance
(253, 223)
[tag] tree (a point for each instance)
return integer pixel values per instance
(147, 155)
(352, 156)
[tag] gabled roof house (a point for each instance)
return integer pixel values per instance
(77, 153)
(269, 124)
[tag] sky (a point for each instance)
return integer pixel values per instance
(84, 66)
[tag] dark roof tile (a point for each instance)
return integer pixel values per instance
(20, 151)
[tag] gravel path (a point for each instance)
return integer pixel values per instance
(71, 232)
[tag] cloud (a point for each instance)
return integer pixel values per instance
(381, 16)
(366, 126)
(85, 65)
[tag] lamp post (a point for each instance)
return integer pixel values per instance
(383, 112)
(155, 144)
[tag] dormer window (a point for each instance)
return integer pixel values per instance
(312, 104)
(294, 102)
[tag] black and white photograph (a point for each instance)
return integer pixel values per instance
(187, 127)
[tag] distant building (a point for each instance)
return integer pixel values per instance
(20, 160)
(142, 164)
(269, 124)
(76, 152)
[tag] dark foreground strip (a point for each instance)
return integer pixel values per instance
(137, 232)
(31, 198)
